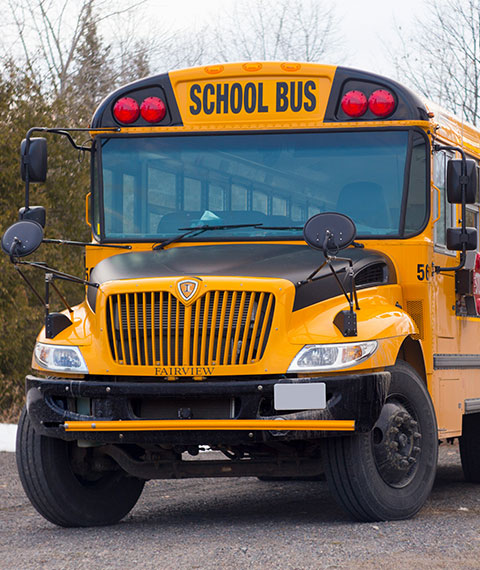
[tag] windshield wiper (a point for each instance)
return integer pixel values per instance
(282, 227)
(199, 230)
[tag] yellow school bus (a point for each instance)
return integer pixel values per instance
(283, 268)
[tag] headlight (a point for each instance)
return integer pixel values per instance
(314, 357)
(60, 358)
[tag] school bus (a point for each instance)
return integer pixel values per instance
(283, 267)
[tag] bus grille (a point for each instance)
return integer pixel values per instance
(220, 328)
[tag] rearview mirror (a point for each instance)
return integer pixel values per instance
(35, 213)
(22, 238)
(36, 161)
(456, 237)
(330, 232)
(454, 187)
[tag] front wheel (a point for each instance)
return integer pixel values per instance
(388, 473)
(71, 486)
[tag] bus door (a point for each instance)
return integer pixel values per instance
(447, 341)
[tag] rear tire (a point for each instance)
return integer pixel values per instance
(470, 447)
(62, 496)
(388, 473)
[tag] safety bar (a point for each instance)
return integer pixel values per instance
(192, 425)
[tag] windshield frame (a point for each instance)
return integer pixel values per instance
(98, 190)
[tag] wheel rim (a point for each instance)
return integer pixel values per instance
(396, 440)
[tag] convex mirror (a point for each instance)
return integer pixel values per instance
(329, 232)
(22, 238)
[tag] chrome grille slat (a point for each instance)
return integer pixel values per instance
(220, 328)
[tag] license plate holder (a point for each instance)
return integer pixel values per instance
(300, 396)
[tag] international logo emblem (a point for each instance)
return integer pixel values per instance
(187, 289)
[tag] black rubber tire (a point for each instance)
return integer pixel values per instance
(58, 494)
(470, 447)
(352, 467)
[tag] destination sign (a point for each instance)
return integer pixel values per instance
(224, 98)
(259, 99)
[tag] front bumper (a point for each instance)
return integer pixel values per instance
(75, 409)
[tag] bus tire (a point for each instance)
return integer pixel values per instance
(470, 447)
(63, 497)
(388, 473)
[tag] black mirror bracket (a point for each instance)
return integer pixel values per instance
(66, 132)
(330, 232)
(54, 322)
(463, 238)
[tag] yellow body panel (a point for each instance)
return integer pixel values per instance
(289, 331)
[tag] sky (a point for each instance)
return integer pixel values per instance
(367, 26)
(368, 29)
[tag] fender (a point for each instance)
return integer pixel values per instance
(380, 316)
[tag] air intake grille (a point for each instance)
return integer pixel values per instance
(220, 328)
(415, 310)
(376, 273)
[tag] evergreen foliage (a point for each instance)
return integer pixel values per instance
(25, 102)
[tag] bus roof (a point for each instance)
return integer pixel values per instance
(257, 95)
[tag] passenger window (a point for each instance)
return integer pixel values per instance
(192, 194)
(239, 197)
(216, 198)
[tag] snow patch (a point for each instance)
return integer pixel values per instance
(8, 433)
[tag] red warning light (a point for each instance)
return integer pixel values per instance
(381, 103)
(126, 110)
(354, 103)
(153, 109)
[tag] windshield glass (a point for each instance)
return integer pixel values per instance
(155, 186)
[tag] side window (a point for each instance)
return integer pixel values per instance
(447, 211)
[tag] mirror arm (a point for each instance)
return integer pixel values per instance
(437, 147)
(463, 259)
(353, 290)
(64, 132)
(84, 243)
(13, 248)
(59, 274)
(57, 291)
(463, 183)
(340, 284)
(49, 277)
(312, 275)
(28, 282)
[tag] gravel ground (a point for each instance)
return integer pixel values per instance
(246, 523)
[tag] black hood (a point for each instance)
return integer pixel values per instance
(292, 262)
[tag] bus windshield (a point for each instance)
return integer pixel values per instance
(152, 187)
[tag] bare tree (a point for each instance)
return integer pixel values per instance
(441, 59)
(51, 32)
(187, 47)
(303, 30)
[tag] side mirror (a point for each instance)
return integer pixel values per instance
(35, 161)
(35, 213)
(456, 237)
(22, 238)
(454, 187)
(329, 232)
